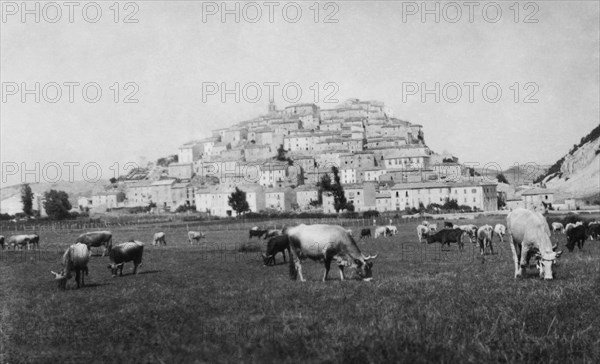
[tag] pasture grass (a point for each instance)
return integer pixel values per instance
(216, 302)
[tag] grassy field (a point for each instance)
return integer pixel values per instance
(213, 303)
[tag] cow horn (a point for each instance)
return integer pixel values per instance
(369, 257)
(554, 247)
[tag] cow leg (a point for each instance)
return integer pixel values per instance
(327, 266)
(299, 269)
(516, 253)
(341, 268)
(77, 277)
(283, 253)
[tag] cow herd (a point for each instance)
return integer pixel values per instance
(527, 232)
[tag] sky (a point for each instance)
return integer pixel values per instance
(543, 58)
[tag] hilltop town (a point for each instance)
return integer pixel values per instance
(279, 158)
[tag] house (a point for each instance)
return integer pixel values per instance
(13, 205)
(406, 159)
(383, 201)
(360, 160)
(162, 194)
(110, 199)
(280, 199)
(273, 175)
(533, 198)
(190, 152)
(361, 195)
(214, 200)
(305, 194)
(478, 195)
(139, 194)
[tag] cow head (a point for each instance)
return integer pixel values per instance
(267, 258)
(546, 261)
(114, 267)
(61, 278)
(364, 267)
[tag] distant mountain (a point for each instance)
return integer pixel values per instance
(522, 174)
(577, 174)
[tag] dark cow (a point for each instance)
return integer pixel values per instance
(447, 236)
(365, 233)
(576, 236)
(96, 239)
(594, 231)
(75, 259)
(329, 243)
(123, 253)
(448, 225)
(277, 244)
(257, 232)
(2, 241)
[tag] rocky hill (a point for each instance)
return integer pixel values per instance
(577, 174)
(74, 189)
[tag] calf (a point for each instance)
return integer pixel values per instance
(159, 238)
(381, 230)
(576, 235)
(391, 230)
(365, 233)
(123, 253)
(432, 227)
(75, 259)
(447, 236)
(557, 227)
(277, 244)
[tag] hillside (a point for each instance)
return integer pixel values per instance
(75, 189)
(577, 174)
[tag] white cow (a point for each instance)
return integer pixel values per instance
(500, 230)
(471, 230)
(432, 228)
(159, 238)
(195, 235)
(380, 230)
(484, 237)
(529, 235)
(329, 243)
(75, 259)
(558, 227)
(422, 232)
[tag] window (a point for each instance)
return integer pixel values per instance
(474, 199)
(473, 190)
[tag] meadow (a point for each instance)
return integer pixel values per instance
(215, 302)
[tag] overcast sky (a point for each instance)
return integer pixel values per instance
(374, 51)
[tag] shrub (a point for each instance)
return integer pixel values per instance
(370, 214)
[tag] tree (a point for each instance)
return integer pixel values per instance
(339, 198)
(281, 153)
(238, 202)
(57, 204)
(27, 199)
(500, 177)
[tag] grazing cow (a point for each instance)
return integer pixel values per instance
(391, 229)
(471, 230)
(425, 223)
(256, 232)
(2, 240)
(75, 259)
(123, 253)
(558, 227)
(381, 230)
(272, 233)
(432, 228)
(327, 242)
(365, 232)
(484, 237)
(277, 244)
(447, 236)
(25, 239)
(96, 239)
(159, 238)
(576, 235)
(594, 230)
(422, 231)
(529, 235)
(500, 230)
(195, 235)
